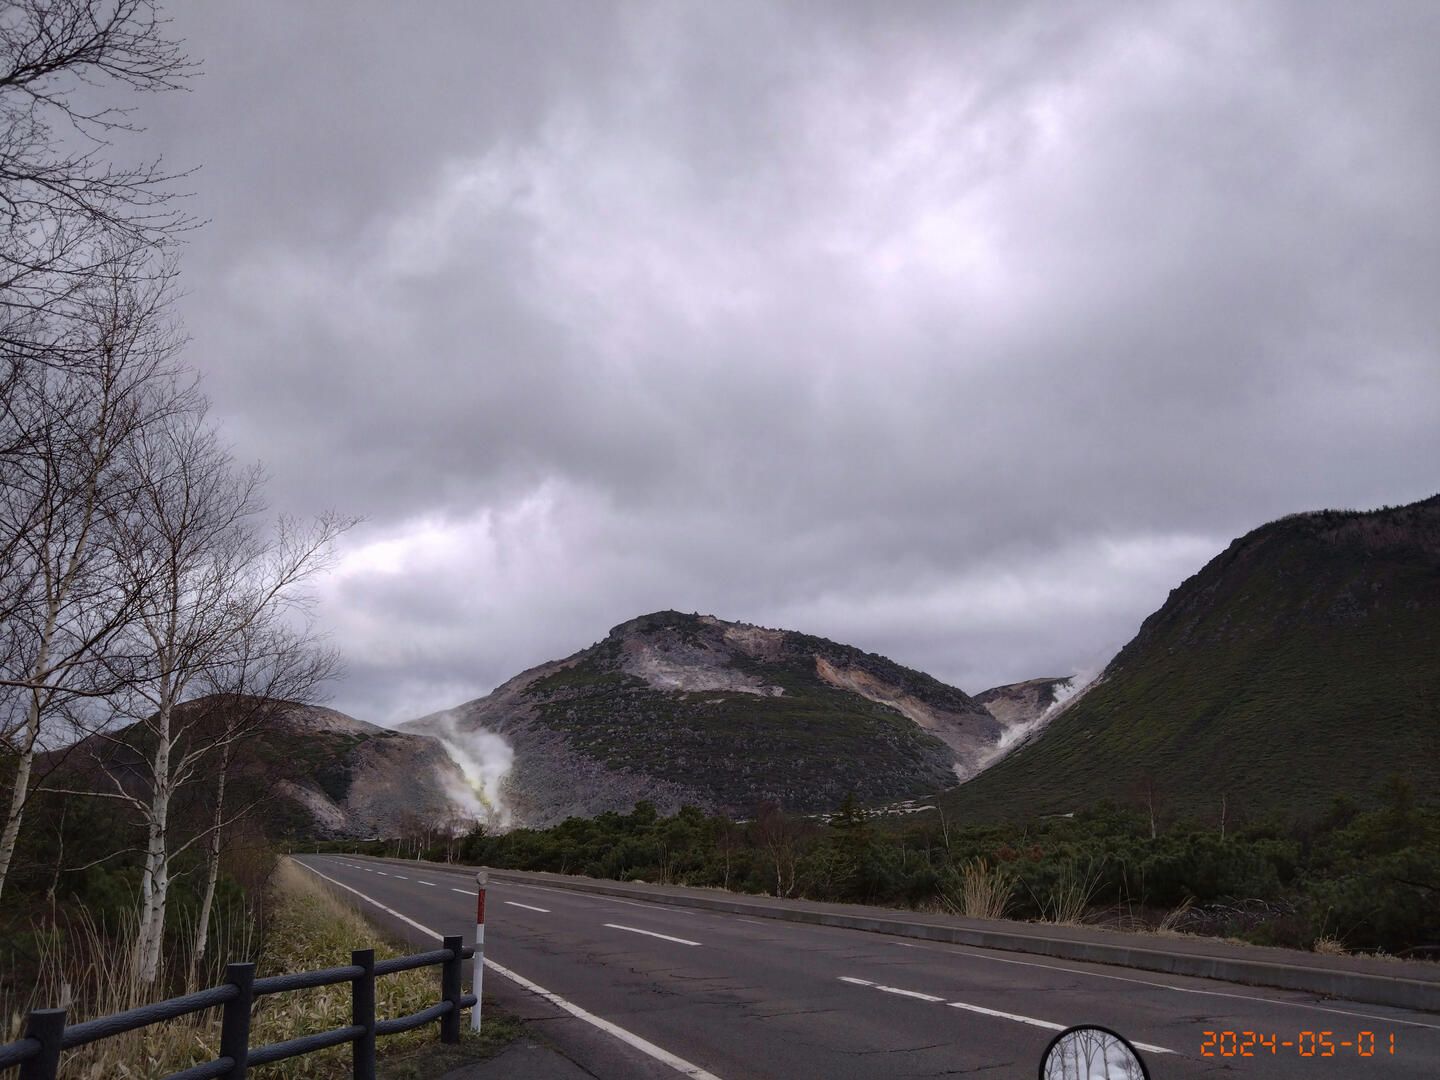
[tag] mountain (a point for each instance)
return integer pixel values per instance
(1301, 663)
(343, 777)
(680, 708)
(312, 771)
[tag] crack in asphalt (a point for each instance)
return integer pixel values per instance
(788, 1012)
(897, 1049)
(965, 1072)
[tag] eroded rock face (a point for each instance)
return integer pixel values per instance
(1023, 702)
(967, 731)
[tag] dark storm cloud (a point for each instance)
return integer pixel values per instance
(957, 332)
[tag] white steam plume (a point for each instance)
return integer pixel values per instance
(1012, 737)
(483, 759)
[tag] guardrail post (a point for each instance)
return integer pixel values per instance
(477, 976)
(47, 1027)
(362, 1014)
(450, 990)
(235, 1021)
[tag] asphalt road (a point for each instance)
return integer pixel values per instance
(729, 996)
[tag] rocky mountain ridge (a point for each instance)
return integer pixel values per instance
(679, 708)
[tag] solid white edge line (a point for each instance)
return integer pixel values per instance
(527, 907)
(630, 1038)
(371, 900)
(652, 933)
(645, 1046)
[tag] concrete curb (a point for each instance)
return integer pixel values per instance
(1353, 986)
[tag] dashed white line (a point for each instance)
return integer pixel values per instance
(961, 950)
(402, 877)
(467, 892)
(646, 1047)
(430, 883)
(652, 933)
(527, 907)
(909, 993)
(1032, 1021)
(603, 898)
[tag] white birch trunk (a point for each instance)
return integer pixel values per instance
(212, 874)
(21, 794)
(155, 878)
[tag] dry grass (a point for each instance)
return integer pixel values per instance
(1329, 946)
(984, 891)
(1069, 899)
(1170, 924)
(312, 929)
(309, 929)
(90, 971)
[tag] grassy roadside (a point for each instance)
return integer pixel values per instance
(308, 928)
(312, 928)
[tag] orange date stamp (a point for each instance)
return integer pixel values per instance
(1244, 1044)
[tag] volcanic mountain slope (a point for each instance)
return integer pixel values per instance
(309, 770)
(680, 708)
(1301, 663)
(345, 777)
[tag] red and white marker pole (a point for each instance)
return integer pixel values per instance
(477, 978)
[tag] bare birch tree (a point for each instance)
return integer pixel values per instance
(268, 671)
(62, 474)
(189, 540)
(68, 207)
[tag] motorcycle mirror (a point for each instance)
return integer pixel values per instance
(1091, 1053)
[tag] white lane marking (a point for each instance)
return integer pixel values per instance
(576, 894)
(430, 883)
(369, 899)
(644, 1046)
(1046, 1024)
(967, 951)
(382, 873)
(964, 951)
(467, 892)
(909, 993)
(651, 933)
(527, 907)
(660, 1054)
(402, 877)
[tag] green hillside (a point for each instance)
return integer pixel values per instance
(803, 741)
(1301, 663)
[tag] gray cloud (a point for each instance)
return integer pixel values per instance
(957, 332)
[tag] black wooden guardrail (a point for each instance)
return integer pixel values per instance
(46, 1034)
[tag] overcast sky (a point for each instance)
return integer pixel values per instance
(960, 332)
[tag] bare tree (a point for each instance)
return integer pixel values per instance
(68, 207)
(64, 603)
(778, 834)
(188, 540)
(270, 669)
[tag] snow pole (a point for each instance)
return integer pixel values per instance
(482, 878)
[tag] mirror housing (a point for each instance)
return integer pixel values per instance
(1089, 1052)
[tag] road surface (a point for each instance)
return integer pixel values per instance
(652, 990)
